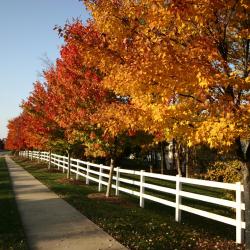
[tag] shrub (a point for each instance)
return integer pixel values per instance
(224, 171)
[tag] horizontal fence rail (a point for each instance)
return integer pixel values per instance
(144, 185)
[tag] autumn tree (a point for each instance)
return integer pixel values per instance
(186, 65)
(97, 115)
(15, 138)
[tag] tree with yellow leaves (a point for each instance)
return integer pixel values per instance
(185, 64)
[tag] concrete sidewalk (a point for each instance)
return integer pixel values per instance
(50, 222)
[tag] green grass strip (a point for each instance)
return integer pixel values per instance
(11, 231)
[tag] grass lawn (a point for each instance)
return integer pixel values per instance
(11, 230)
(208, 191)
(150, 228)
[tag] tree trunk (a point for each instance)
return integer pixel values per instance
(162, 157)
(151, 162)
(244, 154)
(173, 154)
(111, 171)
(69, 166)
(246, 183)
(178, 160)
(187, 162)
(167, 160)
(154, 159)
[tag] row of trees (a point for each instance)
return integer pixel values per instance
(144, 72)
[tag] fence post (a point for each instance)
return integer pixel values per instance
(87, 175)
(117, 181)
(49, 159)
(52, 160)
(77, 170)
(100, 179)
(57, 161)
(239, 231)
(142, 180)
(68, 166)
(63, 164)
(178, 199)
(38, 155)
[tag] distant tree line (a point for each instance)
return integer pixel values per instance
(2, 142)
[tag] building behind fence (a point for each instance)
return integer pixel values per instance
(139, 183)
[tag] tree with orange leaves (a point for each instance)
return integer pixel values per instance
(96, 114)
(16, 139)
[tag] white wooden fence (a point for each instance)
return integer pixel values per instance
(138, 183)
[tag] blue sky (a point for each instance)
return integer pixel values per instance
(26, 38)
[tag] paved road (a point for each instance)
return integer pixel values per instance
(51, 223)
